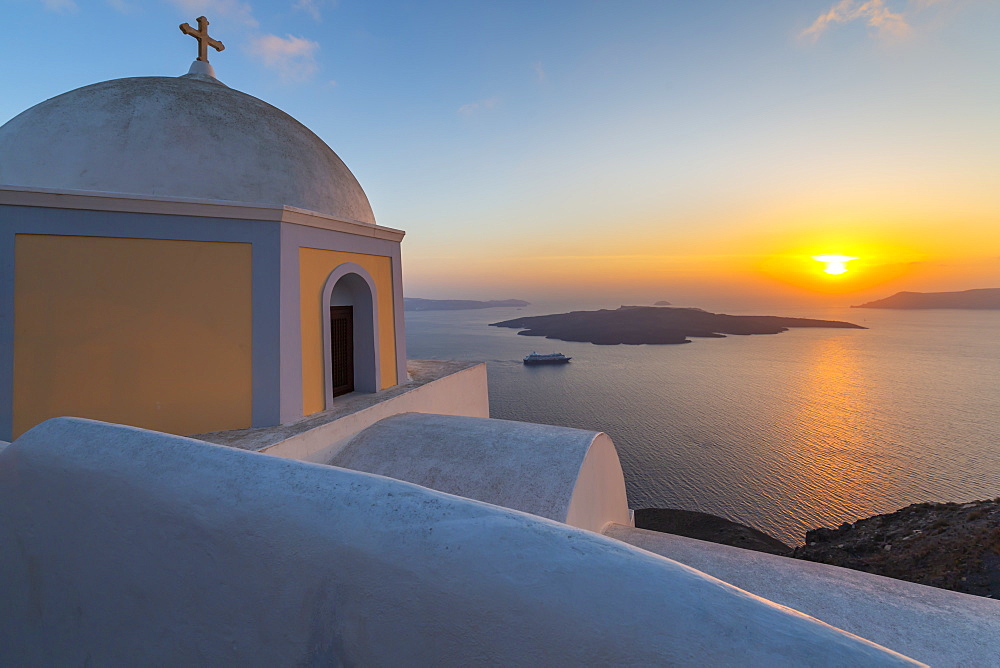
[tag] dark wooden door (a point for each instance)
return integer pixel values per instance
(342, 348)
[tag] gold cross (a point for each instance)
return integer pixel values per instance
(204, 41)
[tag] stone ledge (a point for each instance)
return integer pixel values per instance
(421, 372)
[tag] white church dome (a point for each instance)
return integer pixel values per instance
(188, 136)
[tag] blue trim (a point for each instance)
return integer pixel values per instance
(266, 329)
(399, 317)
(313, 237)
(80, 223)
(6, 327)
(290, 387)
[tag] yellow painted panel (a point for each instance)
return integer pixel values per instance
(314, 268)
(145, 332)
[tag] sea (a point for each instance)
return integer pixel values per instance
(785, 432)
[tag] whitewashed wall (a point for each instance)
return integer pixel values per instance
(461, 393)
(568, 475)
(936, 626)
(126, 547)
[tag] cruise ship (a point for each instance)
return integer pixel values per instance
(548, 358)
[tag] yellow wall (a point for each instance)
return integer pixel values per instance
(145, 332)
(314, 268)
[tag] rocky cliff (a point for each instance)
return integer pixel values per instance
(949, 545)
(953, 546)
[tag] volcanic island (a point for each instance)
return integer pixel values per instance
(636, 325)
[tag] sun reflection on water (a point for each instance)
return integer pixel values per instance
(833, 429)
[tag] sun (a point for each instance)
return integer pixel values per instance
(835, 264)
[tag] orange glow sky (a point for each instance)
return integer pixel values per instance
(761, 256)
(874, 145)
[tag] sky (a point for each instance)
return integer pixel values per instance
(626, 151)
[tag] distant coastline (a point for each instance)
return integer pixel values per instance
(635, 325)
(980, 299)
(418, 304)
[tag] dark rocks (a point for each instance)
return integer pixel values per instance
(708, 527)
(947, 545)
(952, 546)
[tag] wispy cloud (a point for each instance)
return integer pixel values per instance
(875, 13)
(540, 72)
(294, 58)
(473, 107)
(61, 6)
(232, 10)
(122, 6)
(313, 8)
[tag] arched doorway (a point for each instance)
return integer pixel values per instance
(350, 332)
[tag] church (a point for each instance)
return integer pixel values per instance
(187, 258)
(215, 450)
